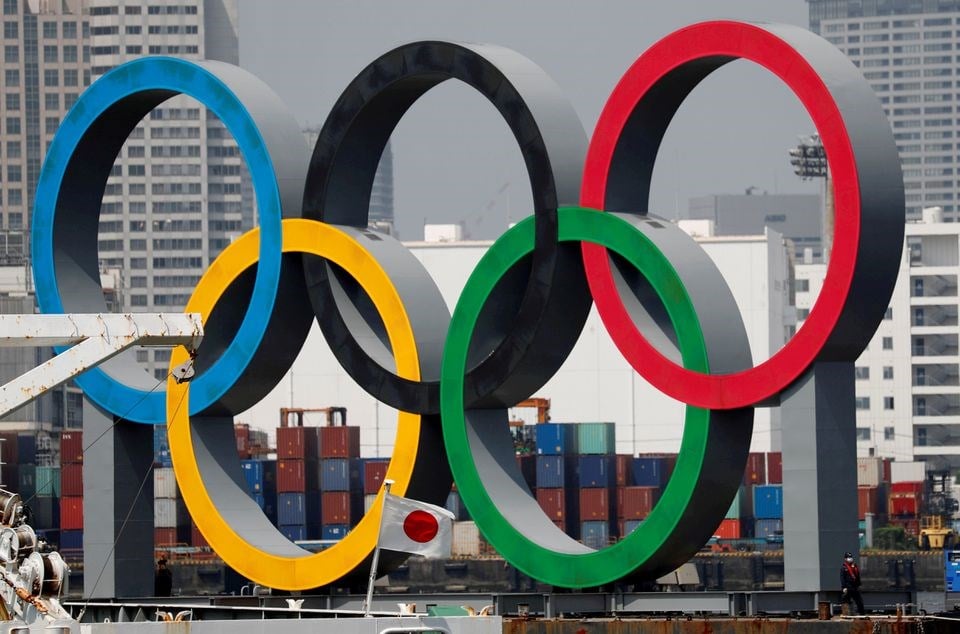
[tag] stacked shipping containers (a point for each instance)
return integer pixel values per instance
(171, 522)
(341, 502)
(71, 493)
(597, 470)
(298, 491)
(556, 477)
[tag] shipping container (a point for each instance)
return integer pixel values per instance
(597, 471)
(9, 446)
(165, 537)
(368, 501)
(337, 507)
(161, 447)
(267, 504)
(170, 513)
(636, 502)
(71, 447)
(768, 501)
(339, 474)
(71, 479)
(756, 471)
(298, 443)
(26, 449)
(869, 472)
(374, 471)
(742, 506)
(340, 442)
(197, 540)
(48, 482)
(595, 534)
(596, 438)
(71, 541)
(334, 531)
(902, 471)
(466, 540)
(625, 527)
(300, 532)
(27, 481)
(886, 470)
(650, 471)
(906, 499)
(767, 528)
(71, 513)
(556, 439)
(597, 504)
(554, 503)
(164, 483)
(455, 505)
(298, 508)
(556, 471)
(624, 467)
(261, 476)
(871, 500)
(241, 432)
(46, 512)
(775, 467)
(728, 529)
(297, 476)
(910, 526)
(528, 469)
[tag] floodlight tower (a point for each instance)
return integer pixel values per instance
(809, 161)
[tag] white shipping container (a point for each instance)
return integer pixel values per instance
(869, 472)
(908, 471)
(169, 513)
(368, 501)
(164, 483)
(466, 540)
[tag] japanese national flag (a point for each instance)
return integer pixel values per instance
(415, 527)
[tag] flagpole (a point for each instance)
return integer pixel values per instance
(376, 551)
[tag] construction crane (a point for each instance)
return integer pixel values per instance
(336, 416)
(938, 507)
(524, 439)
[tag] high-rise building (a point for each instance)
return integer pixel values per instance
(177, 195)
(42, 72)
(907, 50)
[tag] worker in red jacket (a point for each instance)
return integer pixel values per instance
(850, 582)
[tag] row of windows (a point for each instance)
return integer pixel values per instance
(160, 300)
(863, 402)
(864, 433)
(863, 372)
(14, 197)
(910, 73)
(140, 207)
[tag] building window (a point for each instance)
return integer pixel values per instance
(888, 433)
(13, 101)
(862, 372)
(887, 402)
(71, 77)
(11, 54)
(918, 287)
(889, 313)
(50, 124)
(921, 436)
(888, 372)
(13, 125)
(69, 54)
(51, 77)
(13, 149)
(51, 101)
(14, 174)
(863, 402)
(14, 197)
(10, 7)
(50, 30)
(888, 343)
(803, 286)
(921, 409)
(69, 30)
(11, 30)
(11, 78)
(863, 433)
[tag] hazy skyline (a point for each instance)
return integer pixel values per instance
(455, 159)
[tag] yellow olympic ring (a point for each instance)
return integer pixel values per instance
(262, 567)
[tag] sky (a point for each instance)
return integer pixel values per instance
(454, 158)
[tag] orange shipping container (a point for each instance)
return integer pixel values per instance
(335, 507)
(298, 442)
(756, 471)
(553, 503)
(775, 467)
(340, 442)
(71, 513)
(71, 447)
(594, 505)
(728, 529)
(71, 479)
(635, 503)
(868, 501)
(164, 536)
(297, 476)
(197, 540)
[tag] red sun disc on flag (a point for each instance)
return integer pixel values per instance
(420, 526)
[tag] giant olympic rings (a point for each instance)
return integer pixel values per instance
(521, 311)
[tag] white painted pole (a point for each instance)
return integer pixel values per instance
(376, 552)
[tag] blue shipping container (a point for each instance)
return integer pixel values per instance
(556, 472)
(161, 446)
(763, 529)
(556, 439)
(298, 508)
(300, 532)
(595, 534)
(26, 449)
(334, 531)
(267, 504)
(71, 540)
(261, 475)
(456, 506)
(768, 501)
(597, 471)
(649, 472)
(629, 525)
(339, 474)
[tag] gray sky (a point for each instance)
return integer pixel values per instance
(453, 156)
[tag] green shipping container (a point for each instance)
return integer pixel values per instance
(597, 438)
(48, 482)
(742, 507)
(27, 481)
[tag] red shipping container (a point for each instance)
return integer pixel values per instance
(916, 488)
(904, 504)
(335, 506)
(298, 442)
(241, 432)
(71, 479)
(774, 467)
(297, 476)
(756, 471)
(340, 442)
(553, 503)
(624, 470)
(909, 526)
(71, 447)
(71, 513)
(197, 540)
(868, 501)
(728, 529)
(9, 447)
(164, 536)
(886, 469)
(373, 474)
(594, 504)
(635, 503)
